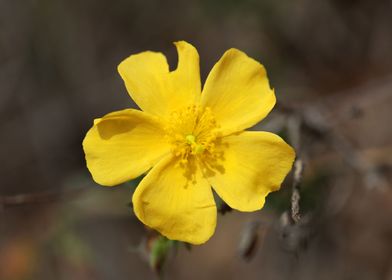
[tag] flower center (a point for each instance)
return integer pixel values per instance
(196, 148)
(191, 132)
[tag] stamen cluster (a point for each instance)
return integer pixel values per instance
(192, 132)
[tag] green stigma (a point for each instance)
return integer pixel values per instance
(190, 139)
(196, 148)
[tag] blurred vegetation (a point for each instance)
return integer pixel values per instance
(330, 63)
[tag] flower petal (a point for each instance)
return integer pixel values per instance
(251, 165)
(185, 80)
(123, 145)
(158, 91)
(238, 92)
(177, 201)
(145, 76)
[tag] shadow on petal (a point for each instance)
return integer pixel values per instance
(112, 127)
(214, 163)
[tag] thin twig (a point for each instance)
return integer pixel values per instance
(294, 130)
(295, 195)
(41, 197)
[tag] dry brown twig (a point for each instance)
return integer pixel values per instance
(295, 195)
(294, 126)
(39, 197)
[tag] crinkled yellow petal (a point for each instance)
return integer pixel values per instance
(177, 201)
(238, 92)
(158, 91)
(185, 80)
(123, 145)
(251, 165)
(145, 76)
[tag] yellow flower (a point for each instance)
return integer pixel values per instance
(191, 139)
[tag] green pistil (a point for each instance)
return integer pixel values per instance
(196, 148)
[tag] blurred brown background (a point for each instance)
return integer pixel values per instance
(330, 63)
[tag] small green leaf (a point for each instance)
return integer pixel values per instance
(160, 250)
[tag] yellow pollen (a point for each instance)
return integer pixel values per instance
(191, 131)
